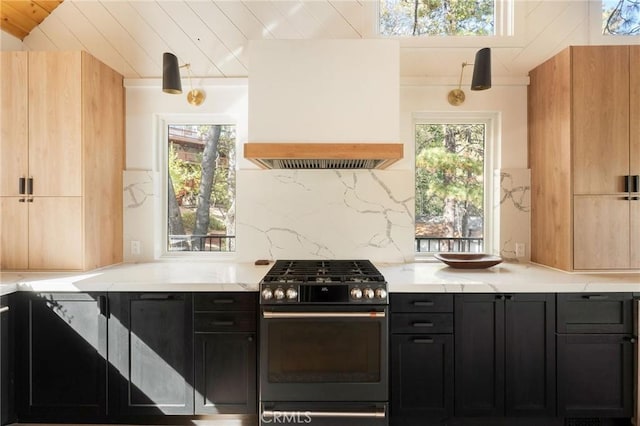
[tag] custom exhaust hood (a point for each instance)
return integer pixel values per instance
(324, 104)
(323, 155)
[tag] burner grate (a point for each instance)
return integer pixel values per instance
(323, 271)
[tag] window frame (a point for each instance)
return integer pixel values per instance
(595, 28)
(162, 135)
(509, 26)
(491, 121)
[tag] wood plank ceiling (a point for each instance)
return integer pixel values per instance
(18, 18)
(213, 35)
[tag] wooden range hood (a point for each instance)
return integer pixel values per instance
(295, 155)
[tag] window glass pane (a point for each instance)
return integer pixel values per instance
(450, 187)
(621, 17)
(202, 186)
(437, 17)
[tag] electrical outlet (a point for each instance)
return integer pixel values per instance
(520, 250)
(135, 247)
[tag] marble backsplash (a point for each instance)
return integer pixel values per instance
(309, 214)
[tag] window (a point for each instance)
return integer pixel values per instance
(201, 184)
(621, 17)
(452, 177)
(437, 17)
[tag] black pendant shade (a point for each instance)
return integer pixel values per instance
(171, 74)
(482, 70)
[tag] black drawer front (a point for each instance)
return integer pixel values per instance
(417, 302)
(224, 321)
(595, 313)
(232, 301)
(420, 323)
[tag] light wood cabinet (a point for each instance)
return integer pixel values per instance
(62, 158)
(584, 141)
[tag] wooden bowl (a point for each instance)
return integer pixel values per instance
(468, 260)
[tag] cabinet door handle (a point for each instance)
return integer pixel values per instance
(596, 297)
(422, 324)
(4, 309)
(21, 185)
(500, 297)
(423, 303)
(627, 183)
(21, 200)
(103, 305)
(629, 339)
(635, 183)
(29, 200)
(422, 340)
(30, 186)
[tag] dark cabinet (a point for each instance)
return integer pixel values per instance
(421, 357)
(504, 355)
(152, 344)
(7, 357)
(595, 355)
(225, 353)
(63, 356)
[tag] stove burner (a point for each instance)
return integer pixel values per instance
(323, 282)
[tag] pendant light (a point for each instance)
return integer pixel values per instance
(481, 79)
(171, 80)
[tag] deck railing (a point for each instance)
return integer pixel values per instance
(441, 244)
(221, 243)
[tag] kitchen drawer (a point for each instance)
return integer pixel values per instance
(223, 301)
(421, 302)
(428, 323)
(594, 313)
(224, 321)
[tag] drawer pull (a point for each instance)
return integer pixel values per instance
(422, 324)
(423, 303)
(4, 309)
(224, 323)
(223, 301)
(629, 339)
(422, 340)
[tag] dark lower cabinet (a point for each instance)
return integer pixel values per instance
(225, 353)
(595, 375)
(152, 347)
(7, 357)
(63, 357)
(422, 376)
(225, 371)
(422, 357)
(505, 355)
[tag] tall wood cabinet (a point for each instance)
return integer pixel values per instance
(62, 156)
(584, 155)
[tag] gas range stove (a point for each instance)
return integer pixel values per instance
(323, 282)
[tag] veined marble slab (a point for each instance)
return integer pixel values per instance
(427, 277)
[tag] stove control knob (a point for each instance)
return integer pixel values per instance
(278, 293)
(381, 293)
(292, 293)
(356, 293)
(368, 293)
(267, 294)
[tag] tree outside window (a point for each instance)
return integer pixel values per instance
(621, 17)
(201, 188)
(450, 187)
(437, 17)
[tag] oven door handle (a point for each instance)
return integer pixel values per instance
(302, 315)
(352, 414)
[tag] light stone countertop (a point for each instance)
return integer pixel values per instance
(427, 277)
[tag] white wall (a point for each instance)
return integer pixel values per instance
(308, 214)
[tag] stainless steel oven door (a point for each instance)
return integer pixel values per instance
(323, 353)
